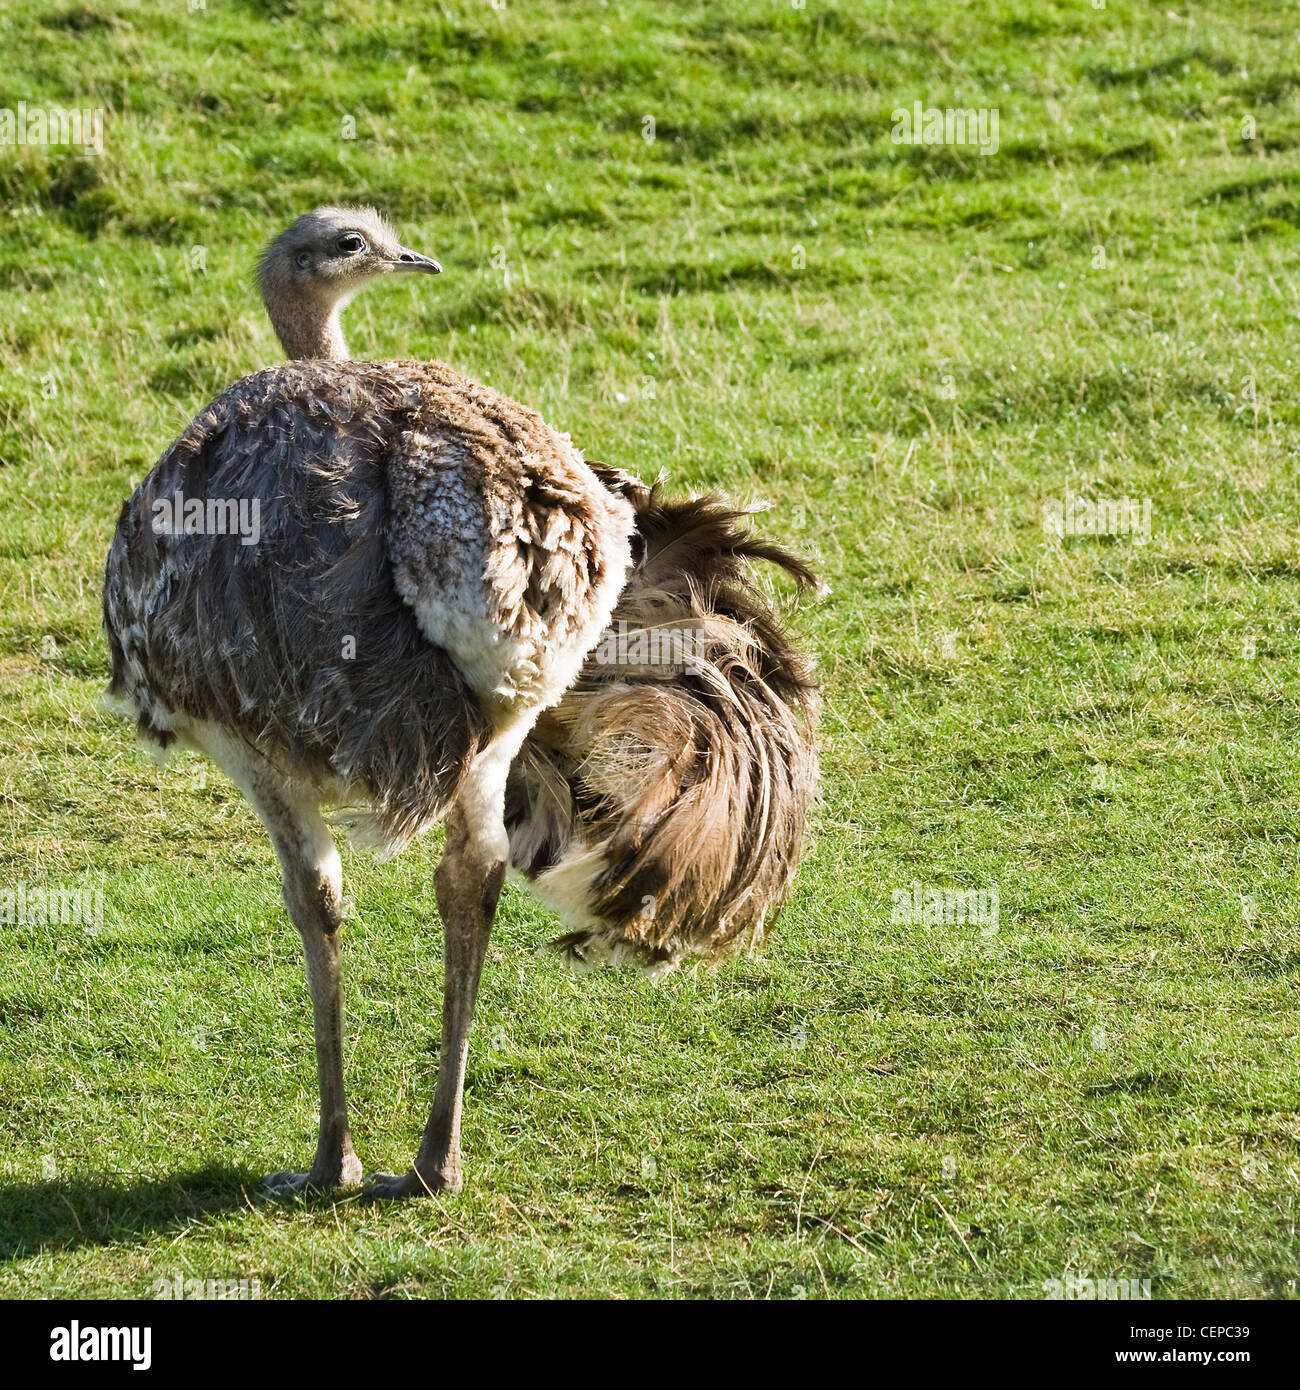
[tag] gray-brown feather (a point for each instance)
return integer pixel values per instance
(303, 643)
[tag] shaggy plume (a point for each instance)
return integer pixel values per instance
(660, 807)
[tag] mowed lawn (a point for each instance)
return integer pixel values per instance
(685, 233)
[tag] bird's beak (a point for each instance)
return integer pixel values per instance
(412, 260)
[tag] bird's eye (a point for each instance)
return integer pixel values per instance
(303, 260)
(350, 243)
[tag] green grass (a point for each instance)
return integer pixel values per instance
(1107, 1084)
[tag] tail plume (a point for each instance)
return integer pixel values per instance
(661, 806)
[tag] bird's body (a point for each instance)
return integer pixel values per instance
(433, 563)
(417, 625)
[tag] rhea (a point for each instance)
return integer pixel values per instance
(425, 630)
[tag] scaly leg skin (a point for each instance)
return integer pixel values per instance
(468, 881)
(309, 864)
(335, 1164)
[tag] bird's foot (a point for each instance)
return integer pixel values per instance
(346, 1173)
(388, 1186)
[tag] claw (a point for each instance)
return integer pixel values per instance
(278, 1185)
(390, 1186)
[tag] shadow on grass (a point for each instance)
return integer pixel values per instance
(102, 1208)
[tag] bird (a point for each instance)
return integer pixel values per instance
(443, 611)
(620, 807)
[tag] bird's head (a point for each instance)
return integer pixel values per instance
(328, 255)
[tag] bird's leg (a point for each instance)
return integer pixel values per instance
(468, 881)
(309, 863)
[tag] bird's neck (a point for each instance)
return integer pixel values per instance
(307, 328)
